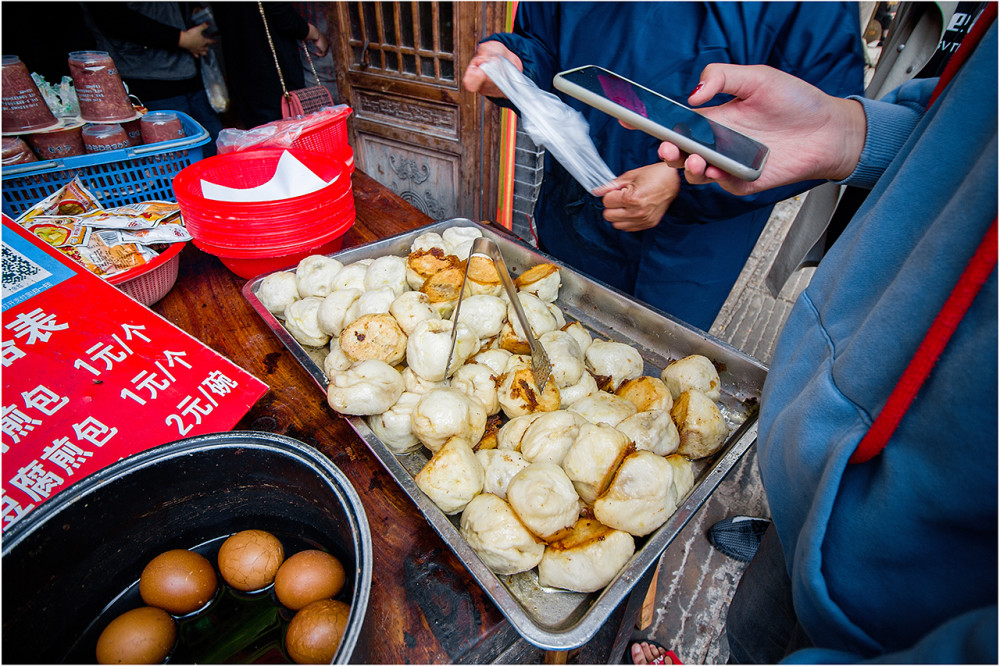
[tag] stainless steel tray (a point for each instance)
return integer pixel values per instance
(549, 618)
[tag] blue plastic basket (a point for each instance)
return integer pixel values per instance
(116, 178)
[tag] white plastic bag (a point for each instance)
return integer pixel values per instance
(214, 82)
(551, 123)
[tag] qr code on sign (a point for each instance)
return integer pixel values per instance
(20, 272)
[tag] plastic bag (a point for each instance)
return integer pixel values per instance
(214, 82)
(211, 66)
(551, 123)
(61, 99)
(279, 133)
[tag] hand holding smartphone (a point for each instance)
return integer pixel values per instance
(665, 119)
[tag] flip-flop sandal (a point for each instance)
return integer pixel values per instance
(659, 660)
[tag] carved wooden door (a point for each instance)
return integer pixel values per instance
(414, 128)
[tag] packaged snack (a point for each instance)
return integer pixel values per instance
(105, 259)
(70, 199)
(132, 216)
(61, 231)
(169, 232)
(104, 241)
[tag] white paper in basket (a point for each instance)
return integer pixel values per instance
(291, 178)
(552, 123)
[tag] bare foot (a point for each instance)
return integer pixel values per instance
(644, 653)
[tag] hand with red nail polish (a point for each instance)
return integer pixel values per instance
(810, 134)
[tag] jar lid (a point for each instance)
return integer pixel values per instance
(102, 130)
(10, 60)
(159, 117)
(88, 56)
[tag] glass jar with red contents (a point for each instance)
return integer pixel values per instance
(133, 129)
(16, 151)
(57, 144)
(24, 109)
(99, 87)
(161, 126)
(102, 138)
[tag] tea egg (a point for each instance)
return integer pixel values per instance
(307, 576)
(248, 560)
(178, 581)
(315, 632)
(140, 636)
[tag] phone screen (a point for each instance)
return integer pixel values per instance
(669, 114)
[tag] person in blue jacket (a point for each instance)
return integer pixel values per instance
(893, 558)
(676, 246)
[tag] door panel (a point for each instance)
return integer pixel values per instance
(427, 180)
(414, 128)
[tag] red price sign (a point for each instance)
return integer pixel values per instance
(90, 376)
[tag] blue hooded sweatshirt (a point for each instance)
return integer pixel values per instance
(895, 559)
(687, 264)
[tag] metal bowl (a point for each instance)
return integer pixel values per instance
(67, 563)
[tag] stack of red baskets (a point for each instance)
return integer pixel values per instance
(258, 237)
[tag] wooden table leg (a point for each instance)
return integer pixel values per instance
(556, 656)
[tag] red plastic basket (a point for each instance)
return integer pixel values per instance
(329, 137)
(250, 268)
(266, 248)
(151, 281)
(247, 236)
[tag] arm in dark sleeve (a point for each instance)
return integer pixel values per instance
(535, 40)
(283, 19)
(116, 20)
(818, 42)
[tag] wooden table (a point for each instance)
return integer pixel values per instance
(424, 607)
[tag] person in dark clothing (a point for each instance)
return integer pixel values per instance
(253, 79)
(20, 36)
(676, 246)
(157, 53)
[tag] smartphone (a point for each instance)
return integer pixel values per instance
(665, 119)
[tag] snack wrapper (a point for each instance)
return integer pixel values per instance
(70, 199)
(165, 233)
(60, 231)
(133, 216)
(105, 241)
(102, 258)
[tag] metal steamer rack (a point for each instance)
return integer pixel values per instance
(550, 618)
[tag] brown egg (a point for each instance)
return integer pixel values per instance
(249, 559)
(308, 576)
(314, 633)
(179, 581)
(141, 636)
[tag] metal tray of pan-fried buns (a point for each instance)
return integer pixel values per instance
(550, 618)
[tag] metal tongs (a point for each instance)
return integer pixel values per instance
(541, 368)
